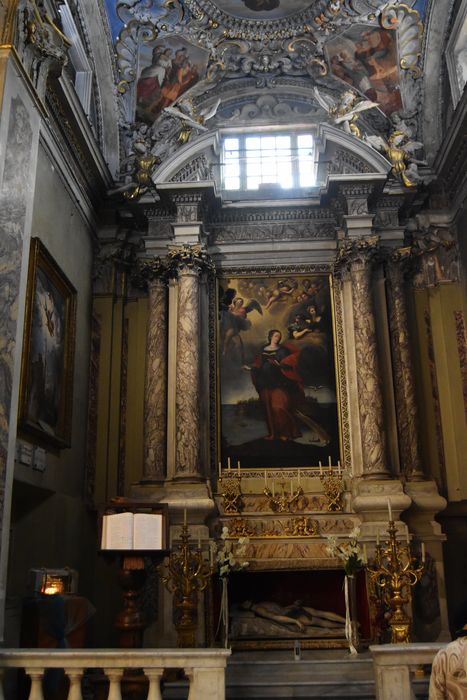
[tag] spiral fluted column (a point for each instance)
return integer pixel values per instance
(404, 386)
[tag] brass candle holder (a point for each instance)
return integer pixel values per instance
(231, 492)
(396, 571)
(284, 501)
(187, 574)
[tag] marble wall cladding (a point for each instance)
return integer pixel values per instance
(155, 406)
(15, 189)
(187, 400)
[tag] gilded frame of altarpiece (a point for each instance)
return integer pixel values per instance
(281, 394)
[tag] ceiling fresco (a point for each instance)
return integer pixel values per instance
(189, 66)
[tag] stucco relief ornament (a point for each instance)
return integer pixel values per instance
(43, 48)
(138, 166)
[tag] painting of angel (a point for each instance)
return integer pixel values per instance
(277, 394)
(365, 57)
(168, 69)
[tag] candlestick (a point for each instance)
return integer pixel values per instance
(389, 511)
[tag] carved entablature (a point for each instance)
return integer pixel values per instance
(41, 45)
(346, 162)
(196, 170)
(271, 232)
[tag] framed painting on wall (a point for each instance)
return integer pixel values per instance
(48, 351)
(277, 396)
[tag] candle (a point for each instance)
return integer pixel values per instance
(423, 552)
(199, 541)
(329, 460)
(407, 534)
(320, 468)
(184, 516)
(238, 467)
(377, 538)
(389, 510)
(339, 468)
(228, 463)
(220, 470)
(298, 479)
(265, 480)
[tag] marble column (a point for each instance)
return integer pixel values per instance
(404, 383)
(155, 387)
(358, 255)
(189, 262)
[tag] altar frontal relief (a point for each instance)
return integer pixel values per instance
(278, 405)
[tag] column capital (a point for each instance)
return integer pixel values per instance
(150, 272)
(357, 253)
(188, 259)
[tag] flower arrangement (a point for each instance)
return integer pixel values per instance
(350, 553)
(229, 555)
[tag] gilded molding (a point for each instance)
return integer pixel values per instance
(343, 397)
(8, 10)
(461, 337)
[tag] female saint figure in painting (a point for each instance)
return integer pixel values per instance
(279, 386)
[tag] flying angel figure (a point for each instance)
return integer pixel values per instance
(398, 149)
(191, 118)
(234, 320)
(346, 110)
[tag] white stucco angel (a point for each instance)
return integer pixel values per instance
(399, 150)
(346, 110)
(185, 110)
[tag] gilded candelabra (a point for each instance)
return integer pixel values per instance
(334, 487)
(283, 502)
(231, 492)
(395, 570)
(187, 574)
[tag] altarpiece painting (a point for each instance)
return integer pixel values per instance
(277, 398)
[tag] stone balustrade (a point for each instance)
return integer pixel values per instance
(204, 668)
(393, 664)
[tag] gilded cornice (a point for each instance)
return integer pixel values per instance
(7, 22)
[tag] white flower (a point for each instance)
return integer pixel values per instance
(355, 533)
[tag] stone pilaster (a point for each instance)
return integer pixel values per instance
(404, 387)
(188, 262)
(357, 256)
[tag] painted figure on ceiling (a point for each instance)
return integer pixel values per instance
(261, 5)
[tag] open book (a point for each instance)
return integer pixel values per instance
(132, 531)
